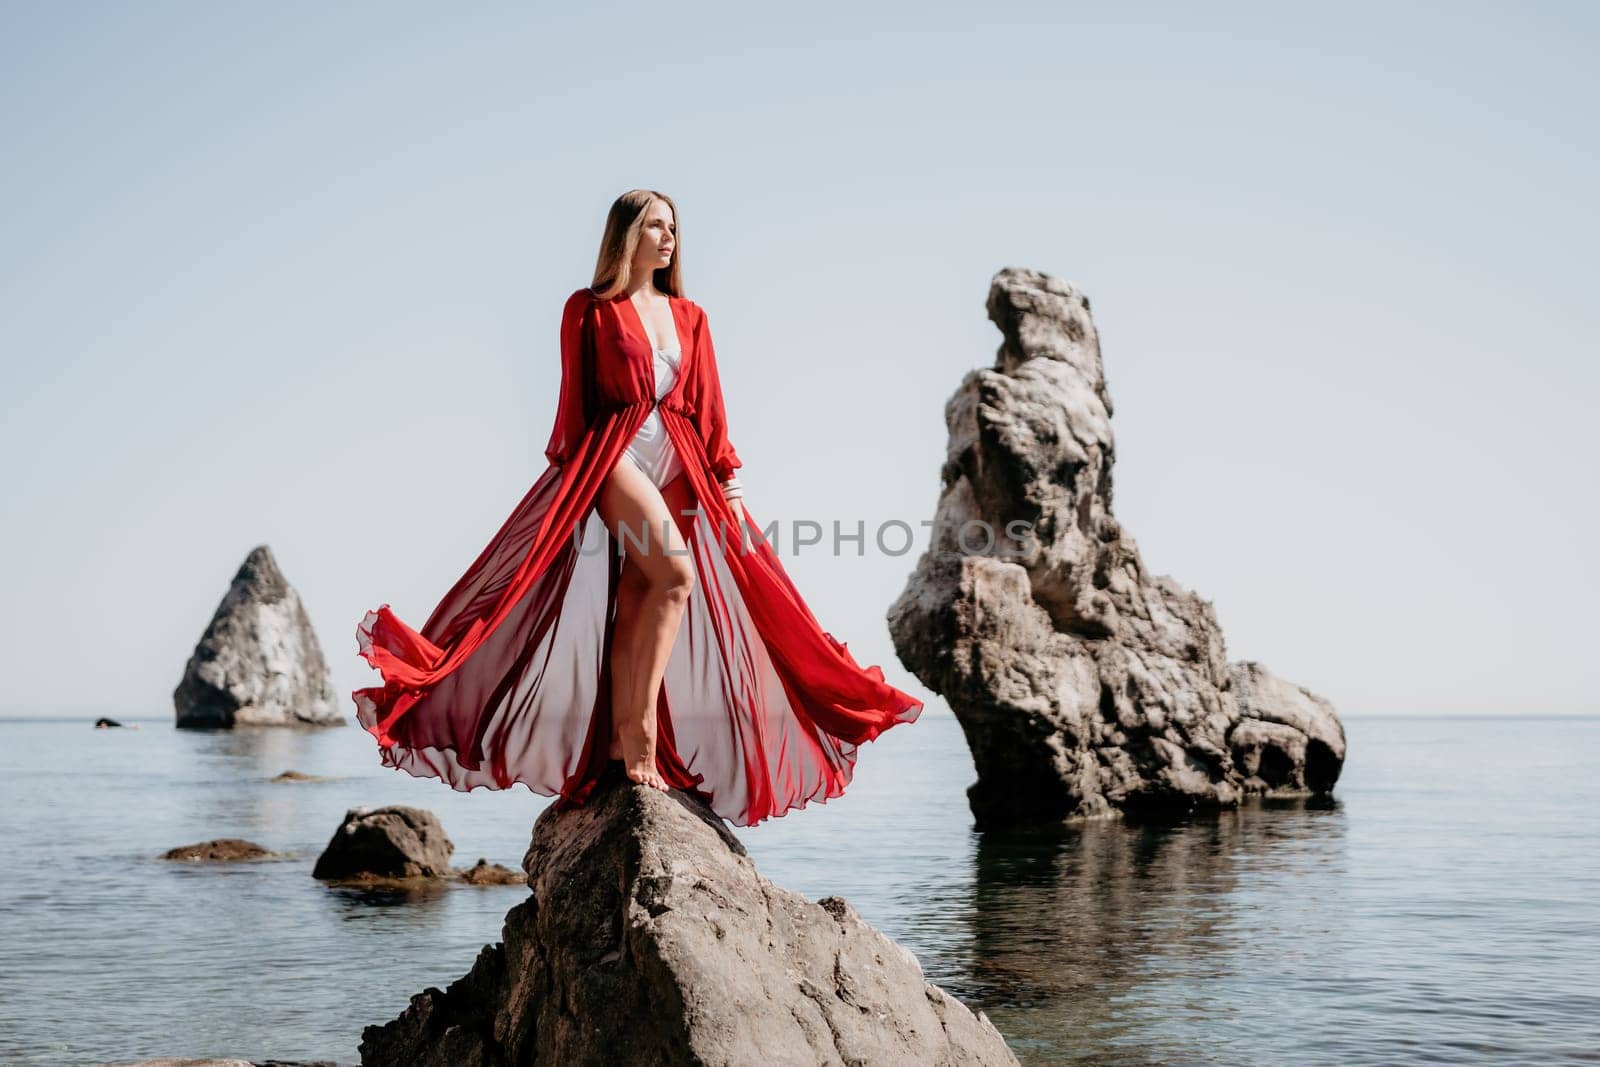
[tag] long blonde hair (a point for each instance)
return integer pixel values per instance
(613, 269)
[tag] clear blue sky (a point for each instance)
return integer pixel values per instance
(291, 274)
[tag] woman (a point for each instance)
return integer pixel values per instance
(629, 608)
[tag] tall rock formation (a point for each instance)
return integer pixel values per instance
(1086, 685)
(259, 662)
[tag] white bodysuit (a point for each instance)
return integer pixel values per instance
(651, 448)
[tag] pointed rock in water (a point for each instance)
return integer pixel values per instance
(1086, 685)
(259, 662)
(650, 937)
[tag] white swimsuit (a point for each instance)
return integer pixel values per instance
(651, 448)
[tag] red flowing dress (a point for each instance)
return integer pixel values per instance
(760, 710)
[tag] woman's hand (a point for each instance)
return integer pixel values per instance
(733, 494)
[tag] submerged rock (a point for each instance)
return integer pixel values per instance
(1086, 685)
(220, 850)
(485, 873)
(650, 937)
(259, 662)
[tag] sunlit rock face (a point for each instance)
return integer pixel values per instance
(1086, 685)
(259, 662)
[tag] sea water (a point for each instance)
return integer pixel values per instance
(1445, 908)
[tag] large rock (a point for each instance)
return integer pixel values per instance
(1086, 685)
(650, 937)
(259, 662)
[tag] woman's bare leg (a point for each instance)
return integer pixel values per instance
(657, 577)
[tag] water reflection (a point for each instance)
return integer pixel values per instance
(245, 759)
(348, 899)
(1081, 937)
(263, 750)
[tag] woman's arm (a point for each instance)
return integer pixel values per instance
(572, 409)
(710, 414)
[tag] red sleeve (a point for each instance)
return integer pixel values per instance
(710, 416)
(573, 408)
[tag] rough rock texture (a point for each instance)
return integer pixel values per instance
(1288, 739)
(259, 662)
(391, 842)
(1086, 685)
(650, 937)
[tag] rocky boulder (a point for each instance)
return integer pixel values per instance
(259, 662)
(1086, 685)
(403, 848)
(1288, 739)
(650, 937)
(394, 842)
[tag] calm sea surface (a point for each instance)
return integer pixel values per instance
(1446, 909)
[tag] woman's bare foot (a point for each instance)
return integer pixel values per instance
(640, 768)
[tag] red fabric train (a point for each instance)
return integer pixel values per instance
(760, 710)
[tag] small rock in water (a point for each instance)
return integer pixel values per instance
(297, 776)
(220, 850)
(105, 724)
(394, 842)
(485, 873)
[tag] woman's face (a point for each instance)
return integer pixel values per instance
(659, 239)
